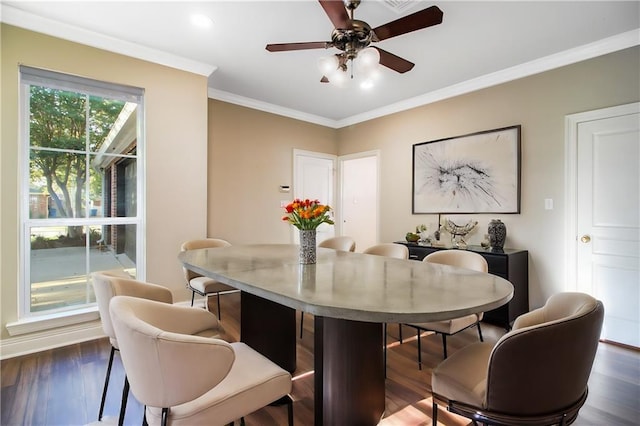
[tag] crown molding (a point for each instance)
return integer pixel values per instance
(270, 108)
(547, 63)
(19, 18)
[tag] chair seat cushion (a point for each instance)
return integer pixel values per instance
(253, 382)
(463, 375)
(207, 285)
(449, 326)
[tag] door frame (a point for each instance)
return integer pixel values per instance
(572, 122)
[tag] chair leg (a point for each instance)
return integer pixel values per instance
(301, 322)
(480, 332)
(193, 297)
(400, 333)
(434, 414)
(165, 416)
(144, 416)
(123, 404)
(444, 344)
(106, 383)
(219, 311)
(419, 349)
(290, 410)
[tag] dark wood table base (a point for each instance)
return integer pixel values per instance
(269, 328)
(349, 372)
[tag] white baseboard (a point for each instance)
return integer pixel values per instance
(50, 339)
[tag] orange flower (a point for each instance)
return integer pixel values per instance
(307, 214)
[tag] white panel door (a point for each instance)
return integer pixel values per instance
(314, 178)
(608, 221)
(359, 198)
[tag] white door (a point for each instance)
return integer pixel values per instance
(314, 178)
(359, 198)
(608, 219)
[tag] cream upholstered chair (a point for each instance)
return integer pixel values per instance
(461, 259)
(108, 284)
(197, 283)
(343, 243)
(183, 379)
(397, 251)
(536, 374)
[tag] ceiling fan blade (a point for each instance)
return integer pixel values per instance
(336, 12)
(394, 62)
(282, 47)
(416, 21)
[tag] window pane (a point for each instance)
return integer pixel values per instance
(58, 265)
(61, 181)
(59, 257)
(113, 188)
(57, 119)
(113, 247)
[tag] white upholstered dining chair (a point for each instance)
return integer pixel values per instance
(185, 379)
(108, 284)
(204, 286)
(461, 259)
(342, 243)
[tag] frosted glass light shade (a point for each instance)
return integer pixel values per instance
(328, 64)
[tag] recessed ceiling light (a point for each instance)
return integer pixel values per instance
(201, 21)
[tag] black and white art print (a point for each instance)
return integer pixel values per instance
(477, 173)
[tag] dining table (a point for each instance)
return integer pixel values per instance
(351, 296)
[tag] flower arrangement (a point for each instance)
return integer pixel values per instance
(307, 214)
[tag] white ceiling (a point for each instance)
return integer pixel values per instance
(479, 44)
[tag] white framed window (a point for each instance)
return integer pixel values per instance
(82, 186)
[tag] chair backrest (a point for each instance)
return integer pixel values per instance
(461, 258)
(167, 368)
(200, 244)
(544, 363)
(397, 251)
(108, 284)
(343, 243)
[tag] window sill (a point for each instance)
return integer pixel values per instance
(49, 321)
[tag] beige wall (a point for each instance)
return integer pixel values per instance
(250, 155)
(176, 150)
(539, 103)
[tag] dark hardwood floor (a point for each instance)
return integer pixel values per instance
(63, 386)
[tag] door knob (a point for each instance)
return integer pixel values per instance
(585, 238)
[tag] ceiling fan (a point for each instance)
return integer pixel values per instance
(352, 36)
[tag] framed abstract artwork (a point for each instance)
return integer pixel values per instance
(476, 173)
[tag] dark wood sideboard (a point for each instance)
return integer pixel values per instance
(510, 264)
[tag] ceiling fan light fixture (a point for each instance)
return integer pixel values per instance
(328, 64)
(369, 57)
